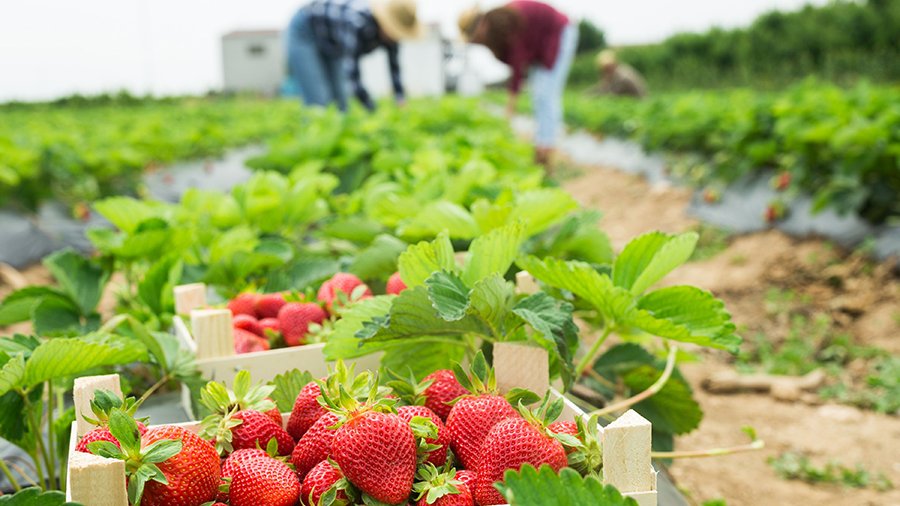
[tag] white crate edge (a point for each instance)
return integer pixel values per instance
(107, 475)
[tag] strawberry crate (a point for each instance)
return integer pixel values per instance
(210, 338)
(98, 481)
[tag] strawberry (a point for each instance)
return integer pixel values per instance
(248, 342)
(270, 324)
(321, 478)
(274, 414)
(257, 429)
(242, 417)
(564, 427)
(306, 410)
(264, 480)
(238, 459)
(248, 323)
(377, 453)
(436, 456)
(443, 389)
(783, 181)
(711, 196)
(294, 320)
(315, 445)
(102, 434)
(268, 305)
(435, 488)
(344, 286)
(244, 303)
(467, 477)
(515, 442)
(473, 416)
(395, 284)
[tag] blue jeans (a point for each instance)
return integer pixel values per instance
(547, 86)
(320, 78)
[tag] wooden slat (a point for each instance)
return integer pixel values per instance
(525, 283)
(212, 332)
(626, 454)
(96, 481)
(83, 392)
(189, 297)
(523, 366)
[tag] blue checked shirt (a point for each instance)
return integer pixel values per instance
(347, 29)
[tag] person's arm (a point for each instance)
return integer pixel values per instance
(393, 53)
(351, 63)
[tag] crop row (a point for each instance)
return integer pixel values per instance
(840, 145)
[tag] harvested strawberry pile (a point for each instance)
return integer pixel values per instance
(447, 440)
(263, 321)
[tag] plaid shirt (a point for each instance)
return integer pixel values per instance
(347, 29)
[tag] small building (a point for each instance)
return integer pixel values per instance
(253, 61)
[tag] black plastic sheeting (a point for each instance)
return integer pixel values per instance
(28, 238)
(742, 206)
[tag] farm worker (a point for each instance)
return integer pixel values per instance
(327, 38)
(618, 78)
(534, 39)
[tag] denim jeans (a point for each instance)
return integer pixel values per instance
(547, 86)
(320, 78)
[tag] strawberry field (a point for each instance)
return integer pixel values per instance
(339, 321)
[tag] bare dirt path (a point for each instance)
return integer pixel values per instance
(861, 299)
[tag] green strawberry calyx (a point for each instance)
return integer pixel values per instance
(104, 402)
(586, 456)
(432, 483)
(423, 428)
(479, 379)
(225, 404)
(409, 389)
(140, 464)
(347, 404)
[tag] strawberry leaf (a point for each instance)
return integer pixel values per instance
(123, 427)
(556, 332)
(419, 261)
(162, 450)
(106, 449)
(287, 387)
(687, 314)
(648, 258)
(493, 253)
(530, 487)
(33, 496)
(448, 294)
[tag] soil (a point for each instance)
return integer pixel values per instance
(862, 300)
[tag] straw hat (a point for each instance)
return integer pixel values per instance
(397, 18)
(468, 20)
(606, 58)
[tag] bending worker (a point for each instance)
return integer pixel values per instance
(532, 38)
(327, 38)
(618, 78)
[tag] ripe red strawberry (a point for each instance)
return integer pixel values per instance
(268, 305)
(341, 282)
(248, 323)
(244, 303)
(783, 182)
(468, 477)
(439, 456)
(294, 320)
(257, 429)
(102, 434)
(435, 488)
(564, 427)
(248, 342)
(511, 444)
(443, 389)
(275, 415)
(321, 478)
(236, 460)
(377, 453)
(264, 480)
(193, 474)
(315, 445)
(271, 324)
(306, 410)
(395, 284)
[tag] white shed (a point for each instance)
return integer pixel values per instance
(253, 60)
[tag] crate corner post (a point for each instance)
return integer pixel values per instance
(626, 458)
(189, 297)
(517, 364)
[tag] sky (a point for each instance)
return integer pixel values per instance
(51, 48)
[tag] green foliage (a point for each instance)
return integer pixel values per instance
(796, 466)
(838, 41)
(35, 497)
(80, 153)
(842, 146)
(590, 37)
(530, 487)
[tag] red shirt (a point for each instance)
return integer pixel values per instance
(537, 43)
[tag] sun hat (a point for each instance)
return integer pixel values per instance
(397, 18)
(606, 58)
(468, 21)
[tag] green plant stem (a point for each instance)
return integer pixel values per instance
(650, 392)
(9, 476)
(51, 438)
(40, 452)
(713, 452)
(23, 474)
(156, 386)
(591, 355)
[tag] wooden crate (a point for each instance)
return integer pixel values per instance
(97, 481)
(213, 344)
